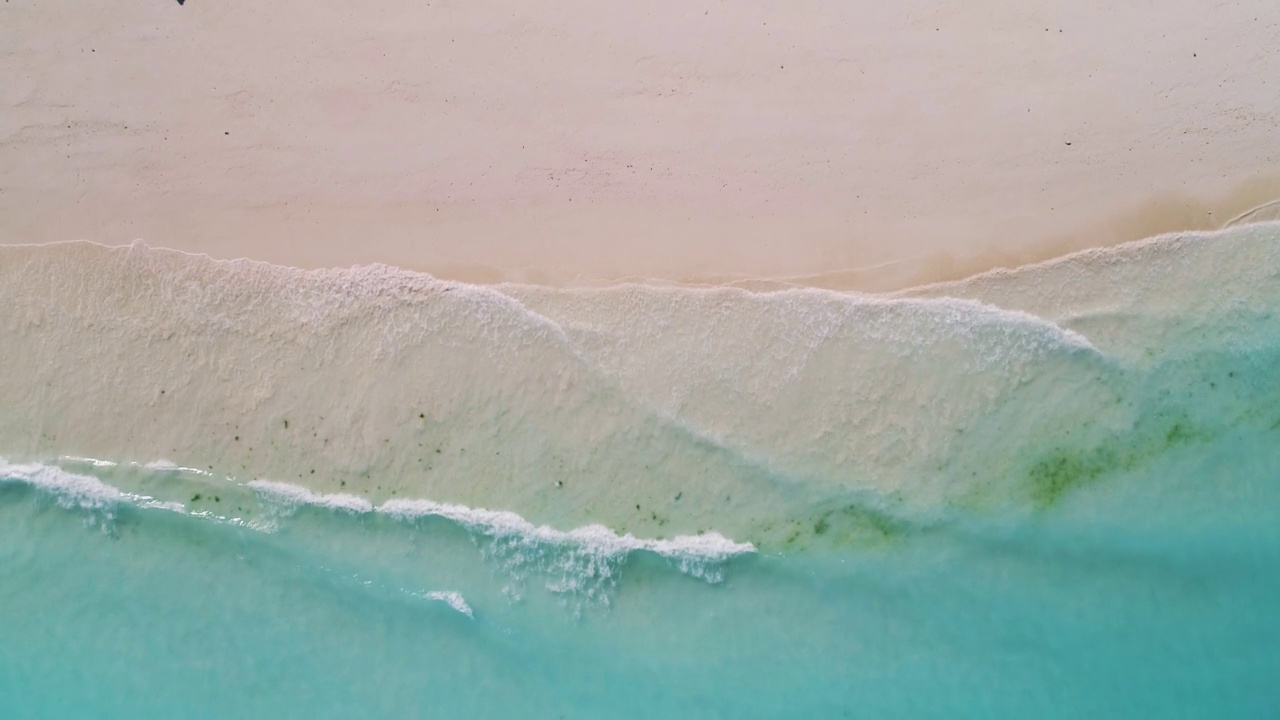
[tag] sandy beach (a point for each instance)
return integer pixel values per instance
(559, 359)
(561, 142)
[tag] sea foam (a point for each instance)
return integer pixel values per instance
(453, 599)
(74, 490)
(584, 563)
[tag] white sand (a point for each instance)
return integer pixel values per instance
(851, 144)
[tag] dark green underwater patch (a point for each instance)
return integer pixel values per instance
(1063, 470)
(852, 525)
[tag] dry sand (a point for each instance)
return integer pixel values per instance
(845, 144)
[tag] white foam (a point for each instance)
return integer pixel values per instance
(294, 496)
(452, 599)
(89, 461)
(583, 564)
(88, 491)
(75, 490)
(170, 466)
(709, 546)
(78, 490)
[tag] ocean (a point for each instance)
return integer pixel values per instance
(233, 489)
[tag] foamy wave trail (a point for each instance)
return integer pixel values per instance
(77, 491)
(292, 496)
(453, 600)
(582, 565)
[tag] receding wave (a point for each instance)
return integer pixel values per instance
(784, 419)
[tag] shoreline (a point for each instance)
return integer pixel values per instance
(822, 145)
(689, 262)
(835, 280)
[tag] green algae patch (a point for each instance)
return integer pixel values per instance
(858, 524)
(850, 526)
(1063, 470)
(1179, 434)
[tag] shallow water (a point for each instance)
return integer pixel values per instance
(1050, 492)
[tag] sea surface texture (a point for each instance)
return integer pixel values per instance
(232, 489)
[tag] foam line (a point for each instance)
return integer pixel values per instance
(452, 599)
(75, 490)
(708, 546)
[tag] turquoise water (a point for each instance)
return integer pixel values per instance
(127, 612)
(1060, 502)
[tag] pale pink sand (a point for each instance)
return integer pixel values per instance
(848, 144)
